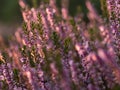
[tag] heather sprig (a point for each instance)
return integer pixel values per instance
(55, 51)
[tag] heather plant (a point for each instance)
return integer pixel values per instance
(55, 51)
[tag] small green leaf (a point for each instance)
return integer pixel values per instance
(72, 22)
(67, 43)
(16, 74)
(32, 25)
(31, 61)
(55, 38)
(25, 27)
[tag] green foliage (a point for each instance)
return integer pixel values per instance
(31, 59)
(117, 87)
(2, 59)
(55, 38)
(39, 24)
(5, 56)
(57, 57)
(94, 34)
(104, 9)
(5, 86)
(33, 25)
(72, 22)
(46, 67)
(16, 74)
(34, 3)
(67, 44)
(25, 27)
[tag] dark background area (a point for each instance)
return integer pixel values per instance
(10, 15)
(10, 10)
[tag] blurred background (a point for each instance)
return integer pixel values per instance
(10, 15)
